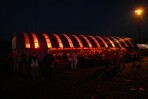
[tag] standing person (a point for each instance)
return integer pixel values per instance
(74, 61)
(123, 59)
(69, 60)
(48, 65)
(15, 63)
(34, 67)
(23, 62)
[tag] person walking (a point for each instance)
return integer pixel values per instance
(74, 61)
(48, 65)
(23, 62)
(34, 67)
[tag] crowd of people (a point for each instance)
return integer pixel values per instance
(104, 57)
(109, 58)
(31, 64)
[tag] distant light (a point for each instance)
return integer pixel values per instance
(139, 12)
(142, 46)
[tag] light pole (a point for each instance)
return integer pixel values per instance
(139, 13)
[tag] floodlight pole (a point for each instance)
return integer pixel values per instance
(139, 14)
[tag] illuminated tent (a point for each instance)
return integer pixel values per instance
(40, 43)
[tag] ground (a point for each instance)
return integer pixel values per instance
(83, 83)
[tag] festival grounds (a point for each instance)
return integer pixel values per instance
(91, 82)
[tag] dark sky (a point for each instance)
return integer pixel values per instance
(94, 17)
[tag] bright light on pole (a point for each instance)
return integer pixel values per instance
(139, 13)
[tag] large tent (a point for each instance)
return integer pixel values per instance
(41, 43)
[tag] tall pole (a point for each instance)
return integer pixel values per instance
(139, 28)
(139, 14)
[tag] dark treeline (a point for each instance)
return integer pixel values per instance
(5, 46)
(142, 41)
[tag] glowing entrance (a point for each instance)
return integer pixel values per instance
(47, 41)
(27, 42)
(59, 40)
(79, 41)
(69, 40)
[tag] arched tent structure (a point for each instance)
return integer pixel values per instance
(41, 43)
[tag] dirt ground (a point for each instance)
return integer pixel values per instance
(83, 83)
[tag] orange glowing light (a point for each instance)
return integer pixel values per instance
(27, 42)
(88, 42)
(59, 40)
(113, 45)
(117, 42)
(35, 39)
(139, 12)
(122, 41)
(79, 41)
(47, 41)
(98, 45)
(102, 41)
(128, 39)
(69, 40)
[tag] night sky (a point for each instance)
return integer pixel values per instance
(93, 17)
